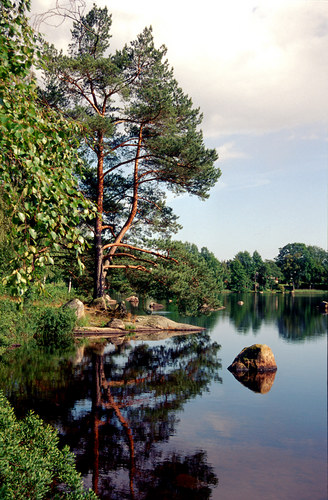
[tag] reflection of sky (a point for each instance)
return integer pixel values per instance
(274, 442)
(81, 408)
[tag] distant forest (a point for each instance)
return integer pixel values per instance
(296, 266)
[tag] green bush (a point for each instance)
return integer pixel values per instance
(8, 324)
(31, 464)
(54, 329)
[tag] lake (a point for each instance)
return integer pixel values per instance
(165, 419)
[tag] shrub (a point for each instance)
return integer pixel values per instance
(54, 329)
(31, 464)
(8, 324)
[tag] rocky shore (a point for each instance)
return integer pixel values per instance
(154, 326)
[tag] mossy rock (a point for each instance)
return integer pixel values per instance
(255, 358)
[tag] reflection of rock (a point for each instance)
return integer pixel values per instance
(257, 382)
(240, 303)
(256, 358)
(324, 306)
(77, 306)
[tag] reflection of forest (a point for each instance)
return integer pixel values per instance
(118, 405)
(296, 316)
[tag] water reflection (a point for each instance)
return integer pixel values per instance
(256, 382)
(182, 478)
(118, 407)
(115, 405)
(136, 399)
(296, 317)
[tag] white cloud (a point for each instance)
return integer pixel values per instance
(228, 151)
(251, 67)
(219, 424)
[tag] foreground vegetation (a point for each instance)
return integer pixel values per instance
(31, 463)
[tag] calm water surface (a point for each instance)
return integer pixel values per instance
(166, 420)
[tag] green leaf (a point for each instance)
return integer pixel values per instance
(32, 232)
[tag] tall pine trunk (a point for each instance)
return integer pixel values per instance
(99, 285)
(98, 289)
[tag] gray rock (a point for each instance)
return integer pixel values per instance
(162, 323)
(155, 307)
(133, 298)
(109, 301)
(77, 306)
(99, 303)
(116, 323)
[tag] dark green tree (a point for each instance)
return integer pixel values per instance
(318, 266)
(185, 277)
(302, 264)
(140, 132)
(215, 266)
(239, 280)
(248, 264)
(257, 265)
(5, 246)
(269, 275)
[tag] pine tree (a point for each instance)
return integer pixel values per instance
(141, 132)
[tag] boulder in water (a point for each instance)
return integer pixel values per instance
(256, 358)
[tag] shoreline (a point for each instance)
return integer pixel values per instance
(154, 325)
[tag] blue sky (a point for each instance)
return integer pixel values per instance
(258, 70)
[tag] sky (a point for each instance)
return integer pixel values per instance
(258, 71)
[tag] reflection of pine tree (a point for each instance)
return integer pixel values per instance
(137, 399)
(181, 478)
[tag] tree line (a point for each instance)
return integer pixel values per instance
(296, 266)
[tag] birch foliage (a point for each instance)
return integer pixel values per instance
(38, 159)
